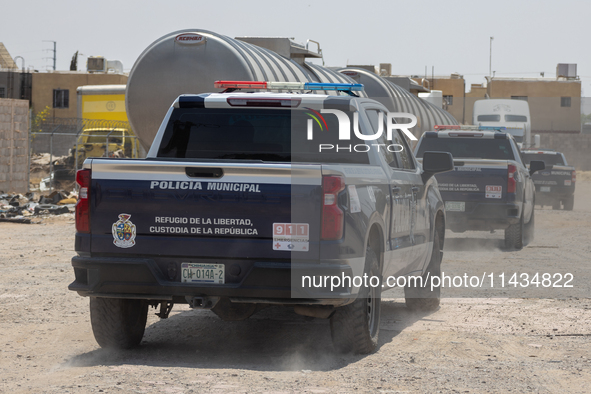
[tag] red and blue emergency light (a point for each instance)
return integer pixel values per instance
(343, 87)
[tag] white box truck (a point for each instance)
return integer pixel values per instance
(512, 114)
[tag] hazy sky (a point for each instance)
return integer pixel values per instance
(529, 37)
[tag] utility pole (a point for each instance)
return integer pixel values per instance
(490, 58)
(54, 52)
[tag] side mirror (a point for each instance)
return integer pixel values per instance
(435, 163)
(536, 165)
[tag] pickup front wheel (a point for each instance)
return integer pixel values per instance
(420, 296)
(355, 327)
(118, 323)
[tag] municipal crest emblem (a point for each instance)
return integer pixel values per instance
(123, 232)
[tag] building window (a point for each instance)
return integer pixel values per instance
(61, 98)
(2, 92)
(565, 101)
(449, 100)
(524, 98)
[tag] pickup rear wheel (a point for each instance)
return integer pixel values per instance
(514, 235)
(354, 328)
(569, 203)
(118, 323)
(422, 298)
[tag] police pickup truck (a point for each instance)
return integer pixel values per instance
(490, 187)
(247, 199)
(556, 184)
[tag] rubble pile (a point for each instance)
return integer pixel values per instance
(20, 208)
(41, 177)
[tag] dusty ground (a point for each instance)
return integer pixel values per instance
(494, 340)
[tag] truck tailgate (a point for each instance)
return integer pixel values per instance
(473, 182)
(556, 179)
(174, 208)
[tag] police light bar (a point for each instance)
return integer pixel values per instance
(495, 128)
(439, 127)
(345, 87)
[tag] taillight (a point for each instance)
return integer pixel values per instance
(511, 184)
(332, 216)
(574, 176)
(83, 204)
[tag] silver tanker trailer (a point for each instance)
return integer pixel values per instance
(190, 61)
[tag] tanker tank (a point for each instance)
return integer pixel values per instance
(398, 99)
(190, 61)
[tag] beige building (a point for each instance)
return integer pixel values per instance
(555, 103)
(452, 88)
(57, 90)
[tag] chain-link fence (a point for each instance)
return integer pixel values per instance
(77, 139)
(59, 135)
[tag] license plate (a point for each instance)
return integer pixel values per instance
(545, 188)
(202, 273)
(455, 206)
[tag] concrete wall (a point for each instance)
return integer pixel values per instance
(14, 145)
(576, 148)
(45, 83)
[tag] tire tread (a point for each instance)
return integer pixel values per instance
(118, 323)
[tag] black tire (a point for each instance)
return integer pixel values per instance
(569, 203)
(529, 229)
(422, 298)
(118, 323)
(355, 327)
(514, 236)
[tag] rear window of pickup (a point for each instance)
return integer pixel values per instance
(548, 159)
(469, 148)
(277, 135)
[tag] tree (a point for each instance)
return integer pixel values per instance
(74, 62)
(38, 120)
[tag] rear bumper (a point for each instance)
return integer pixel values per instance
(484, 216)
(556, 193)
(261, 282)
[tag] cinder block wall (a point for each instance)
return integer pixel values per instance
(576, 148)
(14, 145)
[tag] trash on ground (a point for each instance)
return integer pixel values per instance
(19, 208)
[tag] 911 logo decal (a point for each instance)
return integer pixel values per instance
(291, 237)
(123, 232)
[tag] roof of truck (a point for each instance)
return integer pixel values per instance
(482, 134)
(541, 151)
(240, 99)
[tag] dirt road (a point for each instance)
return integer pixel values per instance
(481, 340)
